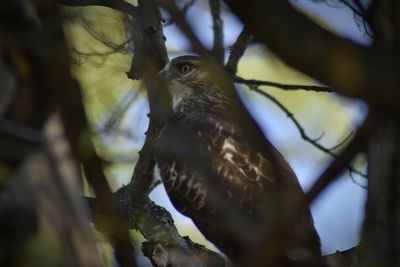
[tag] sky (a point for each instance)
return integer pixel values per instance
(338, 212)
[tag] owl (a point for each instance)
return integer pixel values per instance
(247, 179)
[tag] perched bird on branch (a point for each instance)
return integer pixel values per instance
(218, 179)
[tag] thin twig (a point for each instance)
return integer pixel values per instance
(359, 12)
(114, 120)
(237, 50)
(313, 141)
(360, 7)
(342, 142)
(343, 159)
(354, 9)
(354, 180)
(288, 87)
(218, 46)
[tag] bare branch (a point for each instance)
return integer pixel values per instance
(360, 7)
(360, 15)
(218, 46)
(150, 54)
(314, 88)
(354, 180)
(356, 10)
(237, 51)
(343, 159)
(117, 114)
(313, 141)
(342, 142)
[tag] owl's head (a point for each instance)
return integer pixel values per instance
(187, 70)
(187, 78)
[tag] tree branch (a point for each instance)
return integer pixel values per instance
(237, 50)
(351, 69)
(218, 46)
(164, 246)
(356, 10)
(344, 158)
(313, 141)
(289, 87)
(120, 5)
(360, 7)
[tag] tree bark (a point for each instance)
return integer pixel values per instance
(381, 234)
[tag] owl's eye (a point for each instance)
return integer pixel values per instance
(185, 68)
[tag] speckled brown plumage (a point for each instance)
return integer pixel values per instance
(245, 176)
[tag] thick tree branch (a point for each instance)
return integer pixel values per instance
(381, 235)
(218, 46)
(150, 56)
(165, 247)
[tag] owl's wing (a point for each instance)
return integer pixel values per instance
(240, 173)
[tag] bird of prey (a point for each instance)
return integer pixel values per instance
(248, 179)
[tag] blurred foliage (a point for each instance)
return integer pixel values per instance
(101, 55)
(42, 251)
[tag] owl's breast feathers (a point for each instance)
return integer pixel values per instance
(241, 174)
